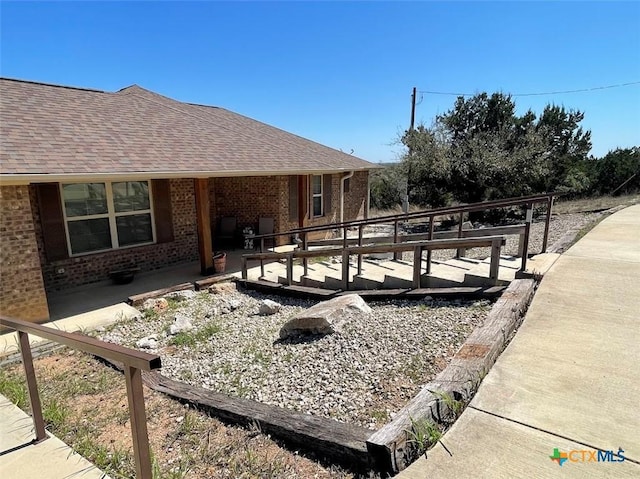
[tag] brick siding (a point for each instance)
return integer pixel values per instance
(92, 268)
(22, 293)
(355, 204)
(246, 198)
(249, 198)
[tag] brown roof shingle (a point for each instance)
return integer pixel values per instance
(55, 130)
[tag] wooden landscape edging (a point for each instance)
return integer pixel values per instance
(339, 442)
(138, 299)
(389, 447)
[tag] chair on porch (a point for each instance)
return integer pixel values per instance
(266, 226)
(227, 231)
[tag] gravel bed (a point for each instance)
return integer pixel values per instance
(362, 375)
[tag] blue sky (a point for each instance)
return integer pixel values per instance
(340, 73)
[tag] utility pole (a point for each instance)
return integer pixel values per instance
(413, 109)
(405, 203)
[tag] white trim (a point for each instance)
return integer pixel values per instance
(111, 215)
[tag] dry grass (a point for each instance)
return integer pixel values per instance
(85, 405)
(593, 204)
(560, 207)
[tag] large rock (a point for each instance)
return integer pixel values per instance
(222, 288)
(324, 318)
(180, 323)
(156, 304)
(149, 342)
(268, 307)
(182, 295)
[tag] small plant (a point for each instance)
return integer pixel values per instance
(454, 405)
(416, 368)
(150, 314)
(423, 434)
(379, 415)
(209, 330)
(191, 338)
(55, 413)
(183, 339)
(174, 302)
(14, 389)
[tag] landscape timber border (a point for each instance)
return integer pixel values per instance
(390, 447)
(348, 444)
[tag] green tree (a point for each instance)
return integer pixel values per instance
(568, 147)
(481, 149)
(618, 171)
(427, 167)
(387, 187)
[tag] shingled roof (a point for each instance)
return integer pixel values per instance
(50, 130)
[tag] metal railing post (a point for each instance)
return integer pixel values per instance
(244, 268)
(261, 260)
(547, 220)
(135, 394)
(32, 386)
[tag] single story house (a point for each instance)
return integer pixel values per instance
(94, 181)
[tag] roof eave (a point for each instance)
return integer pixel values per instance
(27, 178)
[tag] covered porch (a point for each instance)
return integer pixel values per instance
(82, 299)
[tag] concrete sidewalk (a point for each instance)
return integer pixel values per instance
(51, 459)
(569, 380)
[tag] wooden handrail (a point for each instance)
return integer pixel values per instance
(426, 245)
(483, 205)
(134, 363)
(496, 243)
(492, 231)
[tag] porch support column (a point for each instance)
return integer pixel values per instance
(205, 248)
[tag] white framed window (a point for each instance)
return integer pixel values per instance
(107, 215)
(317, 195)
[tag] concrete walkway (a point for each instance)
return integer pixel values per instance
(51, 459)
(569, 380)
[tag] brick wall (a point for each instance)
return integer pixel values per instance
(355, 203)
(355, 200)
(246, 198)
(95, 267)
(22, 293)
(250, 198)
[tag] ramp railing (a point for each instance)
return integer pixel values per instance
(134, 362)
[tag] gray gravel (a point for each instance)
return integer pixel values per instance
(362, 375)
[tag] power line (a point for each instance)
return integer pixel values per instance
(537, 94)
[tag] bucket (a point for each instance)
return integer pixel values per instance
(219, 262)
